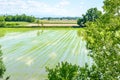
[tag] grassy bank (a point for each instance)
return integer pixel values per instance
(17, 23)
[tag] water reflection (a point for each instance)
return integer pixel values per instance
(39, 32)
(27, 56)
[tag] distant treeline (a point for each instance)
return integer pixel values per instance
(59, 18)
(26, 18)
(22, 17)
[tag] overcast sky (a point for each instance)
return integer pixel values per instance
(53, 8)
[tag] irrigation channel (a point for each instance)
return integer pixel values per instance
(27, 52)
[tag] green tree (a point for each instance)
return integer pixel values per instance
(2, 21)
(49, 18)
(104, 44)
(61, 18)
(81, 22)
(91, 15)
(103, 39)
(8, 18)
(22, 17)
(67, 71)
(112, 6)
(63, 71)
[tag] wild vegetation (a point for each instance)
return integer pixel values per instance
(103, 41)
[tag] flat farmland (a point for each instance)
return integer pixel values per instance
(59, 21)
(34, 24)
(54, 23)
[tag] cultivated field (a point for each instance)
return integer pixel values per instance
(33, 24)
(28, 51)
(55, 23)
(59, 21)
(50, 23)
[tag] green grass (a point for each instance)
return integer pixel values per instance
(3, 31)
(17, 23)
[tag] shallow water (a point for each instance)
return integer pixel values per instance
(27, 53)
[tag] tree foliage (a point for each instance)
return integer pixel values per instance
(91, 15)
(103, 39)
(105, 46)
(2, 21)
(22, 17)
(67, 71)
(63, 71)
(112, 6)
